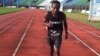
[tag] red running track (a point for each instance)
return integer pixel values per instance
(25, 35)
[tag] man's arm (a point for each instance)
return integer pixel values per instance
(46, 20)
(65, 26)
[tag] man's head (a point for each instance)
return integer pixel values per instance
(55, 6)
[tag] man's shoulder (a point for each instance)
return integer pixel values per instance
(61, 12)
(48, 12)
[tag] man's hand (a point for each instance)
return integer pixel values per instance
(48, 24)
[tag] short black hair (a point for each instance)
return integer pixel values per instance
(55, 2)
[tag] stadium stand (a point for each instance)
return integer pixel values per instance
(77, 5)
(21, 2)
(71, 3)
(38, 2)
(68, 4)
(81, 2)
(0, 3)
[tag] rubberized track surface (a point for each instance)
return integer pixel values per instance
(23, 34)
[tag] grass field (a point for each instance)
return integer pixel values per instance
(8, 10)
(82, 18)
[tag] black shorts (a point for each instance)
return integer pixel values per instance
(55, 38)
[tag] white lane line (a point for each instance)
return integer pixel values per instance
(11, 15)
(88, 31)
(23, 36)
(94, 51)
(10, 26)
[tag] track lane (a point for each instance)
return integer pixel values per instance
(8, 24)
(73, 47)
(10, 14)
(35, 42)
(86, 27)
(11, 17)
(11, 37)
(88, 38)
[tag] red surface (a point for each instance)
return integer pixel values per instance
(88, 38)
(9, 39)
(35, 40)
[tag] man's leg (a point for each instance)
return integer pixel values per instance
(57, 51)
(52, 50)
(51, 44)
(57, 46)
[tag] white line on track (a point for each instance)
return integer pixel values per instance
(94, 51)
(10, 26)
(23, 36)
(11, 15)
(89, 32)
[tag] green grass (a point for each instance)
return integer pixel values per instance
(82, 18)
(9, 10)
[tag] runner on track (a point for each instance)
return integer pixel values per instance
(55, 20)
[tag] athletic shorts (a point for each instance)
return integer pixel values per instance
(55, 38)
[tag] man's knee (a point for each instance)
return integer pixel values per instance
(57, 50)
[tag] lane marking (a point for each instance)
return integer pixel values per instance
(12, 15)
(13, 23)
(23, 36)
(10, 25)
(94, 51)
(88, 31)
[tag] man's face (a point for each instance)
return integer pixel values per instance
(55, 7)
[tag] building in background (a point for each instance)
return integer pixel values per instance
(94, 10)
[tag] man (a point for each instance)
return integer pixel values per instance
(54, 20)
